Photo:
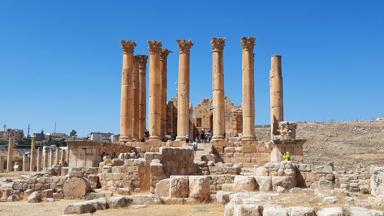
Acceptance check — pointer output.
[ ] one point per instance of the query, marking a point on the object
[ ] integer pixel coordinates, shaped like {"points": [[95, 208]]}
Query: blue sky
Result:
{"points": [[60, 61]]}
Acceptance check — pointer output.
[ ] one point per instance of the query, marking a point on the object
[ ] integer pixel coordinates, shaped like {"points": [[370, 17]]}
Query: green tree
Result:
{"points": [[73, 133]]}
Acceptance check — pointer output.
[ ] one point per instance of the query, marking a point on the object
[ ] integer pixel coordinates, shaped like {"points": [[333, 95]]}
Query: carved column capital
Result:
{"points": [[217, 44], [164, 54], [154, 47], [128, 46], [248, 43], [141, 60], [185, 46]]}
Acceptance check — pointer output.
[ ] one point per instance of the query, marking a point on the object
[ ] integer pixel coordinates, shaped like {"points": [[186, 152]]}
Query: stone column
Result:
{"points": [[135, 100], [51, 158], [62, 157], [142, 62], [163, 87], [248, 44], [154, 90], [33, 154], [183, 89], [11, 143], [126, 87], [38, 159], [57, 156], [25, 163], [276, 94], [1, 164], [218, 89]]}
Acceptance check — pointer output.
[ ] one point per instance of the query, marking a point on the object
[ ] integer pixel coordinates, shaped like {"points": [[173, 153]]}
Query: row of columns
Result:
{"points": [[133, 106]]}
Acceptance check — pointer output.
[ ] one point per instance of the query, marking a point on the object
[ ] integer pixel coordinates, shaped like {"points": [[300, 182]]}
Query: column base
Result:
{"points": [[124, 139], [180, 138], [248, 138], [217, 138], [154, 138]]}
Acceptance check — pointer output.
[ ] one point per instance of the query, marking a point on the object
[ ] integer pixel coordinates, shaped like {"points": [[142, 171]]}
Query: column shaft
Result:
{"points": [[126, 89], [183, 90], [142, 61], [218, 89], [33, 154], [163, 88], [276, 94], [1, 164], [11, 143], [135, 101], [38, 159], [154, 93], [248, 102]]}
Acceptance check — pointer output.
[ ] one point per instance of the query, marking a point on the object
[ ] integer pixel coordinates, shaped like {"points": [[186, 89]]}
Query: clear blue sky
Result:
{"points": [[60, 61]]}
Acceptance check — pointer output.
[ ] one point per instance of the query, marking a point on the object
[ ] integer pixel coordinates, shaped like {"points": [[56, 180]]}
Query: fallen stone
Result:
{"points": [[199, 188], [287, 182], [76, 187], [34, 197], [229, 209], [301, 211], [80, 208], [179, 187], [118, 202], [334, 211], [248, 210], [264, 182], [272, 210], [244, 183], [223, 197], [162, 188], [150, 199]]}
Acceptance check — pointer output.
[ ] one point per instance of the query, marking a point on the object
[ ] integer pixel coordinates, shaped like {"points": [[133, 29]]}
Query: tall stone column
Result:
{"points": [[163, 87], [11, 143], [62, 157], [57, 156], [142, 62], [1, 164], [218, 89], [135, 101], [154, 90], [25, 163], [38, 159], [183, 89], [248, 44], [33, 154], [51, 158], [126, 88], [276, 94]]}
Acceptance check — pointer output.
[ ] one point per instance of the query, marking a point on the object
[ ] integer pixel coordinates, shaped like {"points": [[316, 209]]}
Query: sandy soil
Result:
{"points": [[23, 208]]}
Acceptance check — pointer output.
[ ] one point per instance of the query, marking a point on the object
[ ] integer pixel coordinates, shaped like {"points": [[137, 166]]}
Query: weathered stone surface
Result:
{"points": [[334, 211], [223, 197], [273, 210], [227, 187], [264, 182], [118, 202], [229, 209], [301, 211], [162, 188], [377, 181], [76, 187], [261, 171], [34, 197], [179, 187], [144, 199], [199, 188], [248, 210], [287, 182], [80, 208], [178, 161], [244, 183]]}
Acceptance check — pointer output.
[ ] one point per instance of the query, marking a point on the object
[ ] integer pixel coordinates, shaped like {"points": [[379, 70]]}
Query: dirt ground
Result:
{"points": [[346, 144], [23, 208]]}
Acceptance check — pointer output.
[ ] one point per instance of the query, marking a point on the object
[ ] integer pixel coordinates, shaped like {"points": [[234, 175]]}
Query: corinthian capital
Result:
{"points": [[128, 46], [185, 46], [141, 60], [248, 42], [217, 44], [154, 47], [164, 54]]}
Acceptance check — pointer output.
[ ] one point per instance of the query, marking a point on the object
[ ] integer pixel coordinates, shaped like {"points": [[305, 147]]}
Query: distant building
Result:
{"points": [[100, 136], [115, 138], [17, 133], [57, 135]]}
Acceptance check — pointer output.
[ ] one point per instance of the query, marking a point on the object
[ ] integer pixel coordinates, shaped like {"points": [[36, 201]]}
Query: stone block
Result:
{"points": [[244, 183], [248, 210], [223, 197], [333, 211], [34, 197], [76, 187], [162, 188], [301, 211], [272, 210], [287, 182], [179, 187], [264, 182], [199, 188], [118, 202]]}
